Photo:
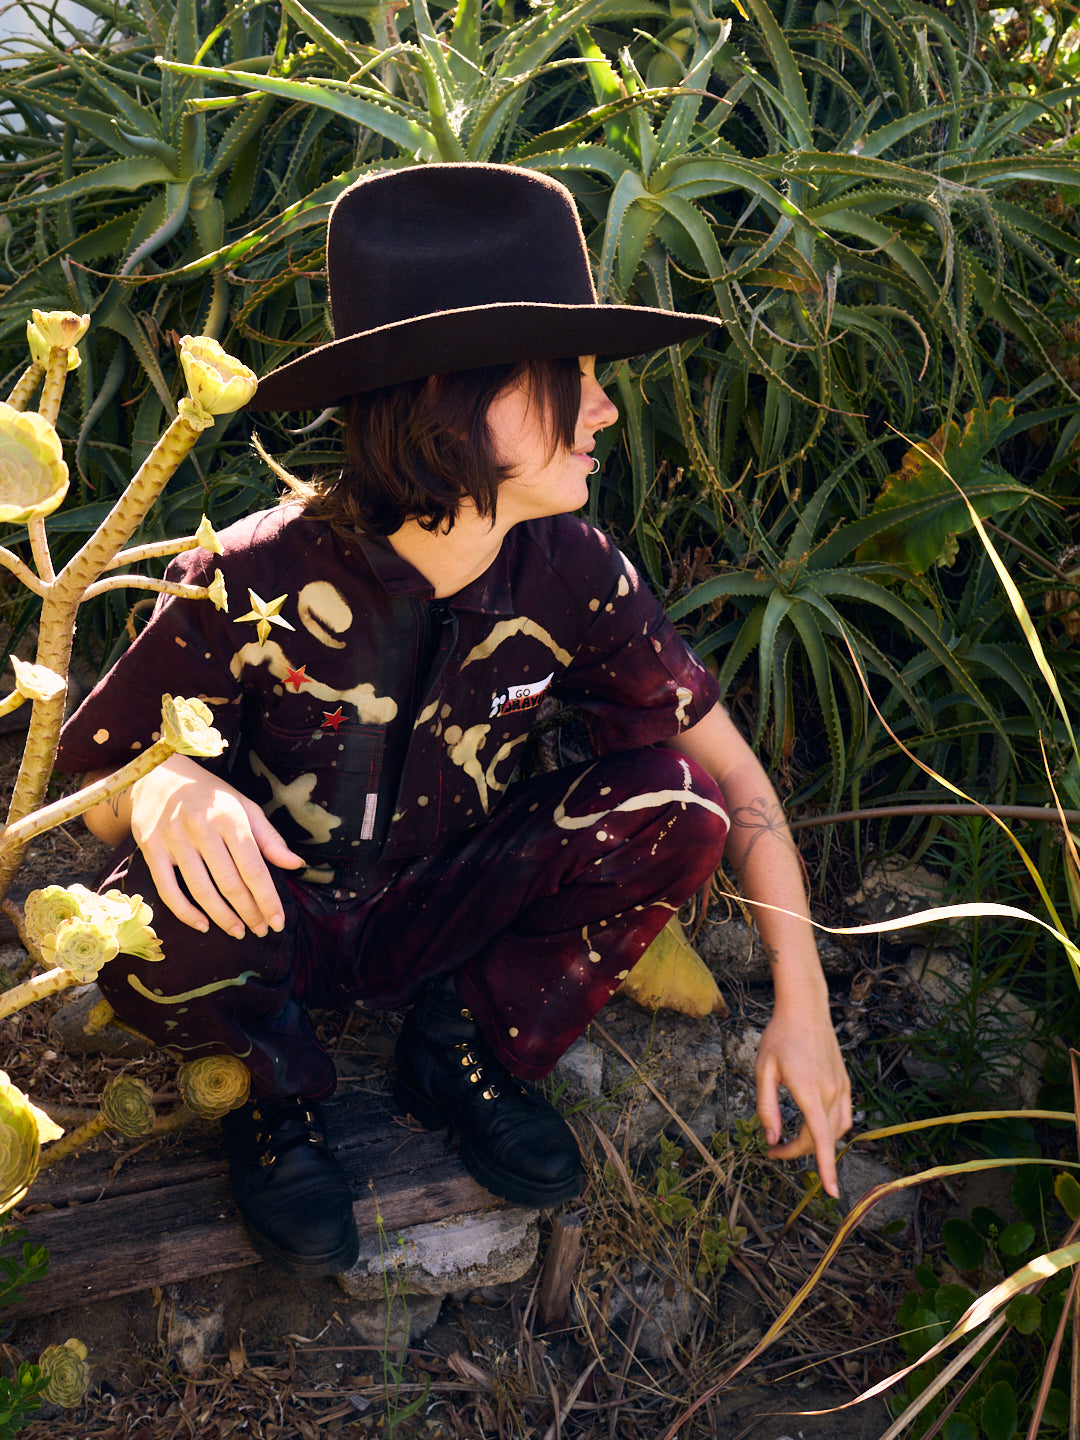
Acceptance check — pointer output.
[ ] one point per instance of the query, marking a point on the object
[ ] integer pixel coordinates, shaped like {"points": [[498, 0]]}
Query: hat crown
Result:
{"points": [[411, 243]]}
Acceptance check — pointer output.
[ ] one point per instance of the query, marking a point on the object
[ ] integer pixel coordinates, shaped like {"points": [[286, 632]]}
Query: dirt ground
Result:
{"points": [[249, 1353]]}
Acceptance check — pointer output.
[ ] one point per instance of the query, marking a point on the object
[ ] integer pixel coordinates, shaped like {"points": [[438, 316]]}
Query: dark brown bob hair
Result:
{"points": [[414, 451]]}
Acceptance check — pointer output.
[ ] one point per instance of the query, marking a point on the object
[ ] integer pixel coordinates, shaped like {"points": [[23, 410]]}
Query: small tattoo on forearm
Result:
{"points": [[761, 817]]}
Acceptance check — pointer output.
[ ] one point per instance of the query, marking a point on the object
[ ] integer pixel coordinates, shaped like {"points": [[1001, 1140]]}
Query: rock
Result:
{"points": [[68, 1028], [667, 1304], [193, 1334], [1010, 1062], [397, 1323], [581, 1070], [859, 1172], [738, 1093], [683, 1059], [892, 889], [465, 1252], [732, 951]]}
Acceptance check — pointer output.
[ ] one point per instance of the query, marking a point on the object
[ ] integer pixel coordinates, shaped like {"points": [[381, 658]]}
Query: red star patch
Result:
{"points": [[296, 678], [331, 722]]}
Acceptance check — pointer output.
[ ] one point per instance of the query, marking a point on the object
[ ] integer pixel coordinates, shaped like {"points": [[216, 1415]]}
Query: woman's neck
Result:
{"points": [[451, 559]]}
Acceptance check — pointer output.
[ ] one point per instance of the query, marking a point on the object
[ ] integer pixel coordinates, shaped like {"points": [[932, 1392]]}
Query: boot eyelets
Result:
{"points": [[468, 1058], [491, 1093], [267, 1159]]}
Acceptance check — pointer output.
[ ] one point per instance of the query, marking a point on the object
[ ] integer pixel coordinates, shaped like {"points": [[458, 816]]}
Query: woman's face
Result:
{"points": [[546, 481]]}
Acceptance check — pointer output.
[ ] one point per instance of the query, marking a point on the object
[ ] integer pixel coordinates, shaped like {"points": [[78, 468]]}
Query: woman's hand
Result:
{"points": [[799, 1050], [185, 819]]}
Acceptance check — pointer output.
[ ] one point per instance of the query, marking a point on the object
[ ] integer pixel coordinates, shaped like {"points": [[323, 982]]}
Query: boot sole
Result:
{"points": [[309, 1267], [506, 1187]]}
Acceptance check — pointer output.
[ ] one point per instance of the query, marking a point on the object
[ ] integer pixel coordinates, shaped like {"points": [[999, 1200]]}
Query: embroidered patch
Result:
{"points": [[519, 697]]}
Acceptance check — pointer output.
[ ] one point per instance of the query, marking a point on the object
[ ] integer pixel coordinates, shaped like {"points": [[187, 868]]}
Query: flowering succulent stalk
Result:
{"points": [[29, 992], [126, 1106], [53, 335], [185, 730], [214, 1084], [23, 1129], [221, 384], [67, 1372], [27, 383]]}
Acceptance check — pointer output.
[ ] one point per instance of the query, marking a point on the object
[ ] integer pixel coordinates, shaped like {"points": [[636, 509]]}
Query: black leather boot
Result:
{"points": [[516, 1144], [292, 1194]]}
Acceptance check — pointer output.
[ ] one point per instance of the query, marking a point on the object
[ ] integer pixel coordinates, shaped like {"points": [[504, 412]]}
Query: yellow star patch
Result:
{"points": [[265, 613]]}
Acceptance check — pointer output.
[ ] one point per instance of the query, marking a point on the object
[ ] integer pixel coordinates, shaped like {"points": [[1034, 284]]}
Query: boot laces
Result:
{"points": [[274, 1116]]}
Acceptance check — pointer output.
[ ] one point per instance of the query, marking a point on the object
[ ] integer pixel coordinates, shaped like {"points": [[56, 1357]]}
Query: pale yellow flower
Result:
{"points": [[33, 475], [217, 382], [36, 682], [67, 1371], [214, 1084], [59, 327], [23, 1128], [217, 594], [40, 347], [188, 728], [206, 537], [265, 612], [132, 916], [82, 947]]}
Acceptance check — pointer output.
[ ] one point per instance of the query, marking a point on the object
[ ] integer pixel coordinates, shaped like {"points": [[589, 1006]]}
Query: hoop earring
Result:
{"points": [[594, 467]]}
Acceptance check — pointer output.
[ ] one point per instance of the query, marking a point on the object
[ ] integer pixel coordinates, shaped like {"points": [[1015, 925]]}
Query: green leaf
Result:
{"points": [[1067, 1192], [963, 1244], [924, 474], [1024, 1313], [1017, 1238], [998, 1416]]}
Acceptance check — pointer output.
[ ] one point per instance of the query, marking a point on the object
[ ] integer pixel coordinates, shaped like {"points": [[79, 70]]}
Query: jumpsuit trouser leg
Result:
{"points": [[539, 914]]}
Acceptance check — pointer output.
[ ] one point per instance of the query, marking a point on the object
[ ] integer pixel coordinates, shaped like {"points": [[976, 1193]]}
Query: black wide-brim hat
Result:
{"points": [[439, 268]]}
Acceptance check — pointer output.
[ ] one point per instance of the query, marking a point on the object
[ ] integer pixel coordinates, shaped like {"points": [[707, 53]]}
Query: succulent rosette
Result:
{"points": [[132, 916], [217, 382], [40, 348], [59, 327], [23, 1128], [33, 475], [127, 1106], [214, 1084], [46, 910], [187, 725], [81, 946], [37, 682], [67, 1372]]}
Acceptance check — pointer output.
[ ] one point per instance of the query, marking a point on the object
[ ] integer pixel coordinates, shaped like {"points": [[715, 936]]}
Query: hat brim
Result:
{"points": [[466, 339]]}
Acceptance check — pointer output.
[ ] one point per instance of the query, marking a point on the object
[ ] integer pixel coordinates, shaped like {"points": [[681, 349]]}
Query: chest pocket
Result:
{"points": [[319, 786]]}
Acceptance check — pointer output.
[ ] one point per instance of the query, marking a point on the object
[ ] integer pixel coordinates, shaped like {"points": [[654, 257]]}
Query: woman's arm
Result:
{"points": [[799, 1048], [185, 819]]}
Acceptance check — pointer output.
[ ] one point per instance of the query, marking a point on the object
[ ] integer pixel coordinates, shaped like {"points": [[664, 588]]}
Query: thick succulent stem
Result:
{"points": [[21, 571], [60, 606], [52, 391], [25, 386], [22, 831], [73, 1141], [147, 582], [122, 521], [36, 988], [152, 551]]}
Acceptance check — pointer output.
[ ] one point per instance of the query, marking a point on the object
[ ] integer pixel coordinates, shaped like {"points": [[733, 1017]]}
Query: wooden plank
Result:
{"points": [[167, 1214]]}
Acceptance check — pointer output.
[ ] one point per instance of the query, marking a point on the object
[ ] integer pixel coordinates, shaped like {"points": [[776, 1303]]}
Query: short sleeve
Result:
{"points": [[634, 678]]}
